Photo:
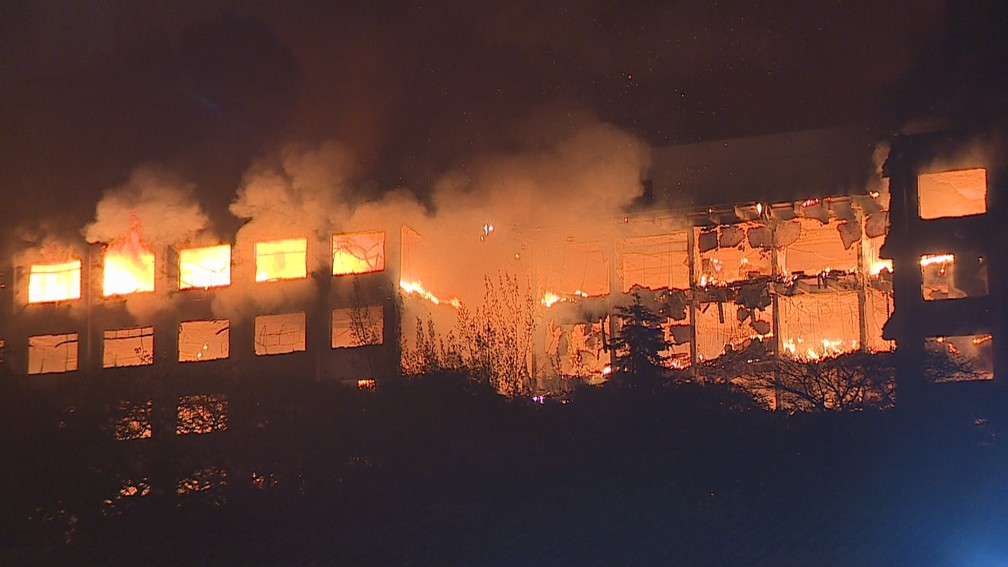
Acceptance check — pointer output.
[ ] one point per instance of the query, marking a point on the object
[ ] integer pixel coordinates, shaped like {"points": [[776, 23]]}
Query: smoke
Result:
{"points": [[161, 207], [154, 209]]}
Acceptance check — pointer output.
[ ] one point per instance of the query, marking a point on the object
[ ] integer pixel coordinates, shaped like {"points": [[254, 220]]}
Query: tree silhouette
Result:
{"points": [[638, 345]]}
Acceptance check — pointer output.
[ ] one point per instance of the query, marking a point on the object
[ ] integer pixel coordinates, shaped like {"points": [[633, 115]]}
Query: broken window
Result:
{"points": [[733, 253], [204, 340], [956, 193], [723, 326], [54, 282], [819, 325], [575, 269], [202, 413], [134, 420], [358, 326], [820, 248], [947, 276], [205, 267], [659, 261], [280, 334], [358, 253], [959, 358], [128, 347], [281, 260], [52, 353], [579, 349]]}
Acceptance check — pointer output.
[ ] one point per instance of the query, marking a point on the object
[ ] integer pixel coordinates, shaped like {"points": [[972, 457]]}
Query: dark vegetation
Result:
{"points": [[440, 469]]}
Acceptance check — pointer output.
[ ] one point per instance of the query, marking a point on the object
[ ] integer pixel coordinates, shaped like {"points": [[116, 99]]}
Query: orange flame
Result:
{"points": [[129, 265], [416, 288]]}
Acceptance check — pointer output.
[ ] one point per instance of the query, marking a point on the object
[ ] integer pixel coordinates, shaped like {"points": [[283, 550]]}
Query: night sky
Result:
{"points": [[93, 89]]}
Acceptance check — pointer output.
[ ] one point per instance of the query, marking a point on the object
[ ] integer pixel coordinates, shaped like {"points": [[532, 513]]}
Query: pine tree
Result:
{"points": [[641, 339]]}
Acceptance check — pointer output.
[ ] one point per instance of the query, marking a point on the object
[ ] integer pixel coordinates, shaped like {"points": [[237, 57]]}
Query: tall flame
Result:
{"points": [[129, 265]]}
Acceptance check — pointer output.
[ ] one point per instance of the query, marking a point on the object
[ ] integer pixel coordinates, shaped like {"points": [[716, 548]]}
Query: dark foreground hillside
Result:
{"points": [[439, 472]]}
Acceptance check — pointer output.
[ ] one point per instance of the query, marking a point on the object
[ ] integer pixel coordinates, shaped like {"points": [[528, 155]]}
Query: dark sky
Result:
{"points": [[92, 89]]}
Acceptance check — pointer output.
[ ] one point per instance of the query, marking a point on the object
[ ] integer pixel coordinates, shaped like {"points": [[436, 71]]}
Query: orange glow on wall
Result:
{"points": [[281, 259], [358, 253], [129, 266], [54, 282], [956, 193], [205, 267]]}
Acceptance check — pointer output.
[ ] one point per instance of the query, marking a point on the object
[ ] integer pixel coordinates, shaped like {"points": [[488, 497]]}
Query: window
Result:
{"points": [[129, 267], [655, 262], [54, 282], [353, 326], [959, 358], [202, 413], [128, 347], [204, 340], [134, 420], [52, 353], [205, 267], [358, 253], [947, 276], [281, 260], [956, 193], [280, 334]]}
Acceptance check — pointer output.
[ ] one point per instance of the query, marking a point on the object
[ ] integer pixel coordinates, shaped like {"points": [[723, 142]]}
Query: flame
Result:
{"points": [[129, 265], [417, 288], [54, 282], [929, 259], [878, 265], [981, 339], [205, 267], [551, 298], [824, 349], [358, 253]]}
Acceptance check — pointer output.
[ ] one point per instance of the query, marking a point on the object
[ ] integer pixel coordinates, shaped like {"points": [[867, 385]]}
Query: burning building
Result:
{"points": [[775, 241], [949, 263]]}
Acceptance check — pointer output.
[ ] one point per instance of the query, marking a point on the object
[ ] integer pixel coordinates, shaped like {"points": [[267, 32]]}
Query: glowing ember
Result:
{"points": [[205, 267], [54, 282], [281, 259], [129, 266], [416, 288]]}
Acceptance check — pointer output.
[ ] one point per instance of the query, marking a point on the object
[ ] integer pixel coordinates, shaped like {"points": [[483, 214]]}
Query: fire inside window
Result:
{"points": [[358, 253], [128, 347], [52, 353], [655, 261], [129, 268], [54, 282], [353, 327], [205, 267], [947, 276], [280, 334], [956, 193], [200, 341], [281, 260]]}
